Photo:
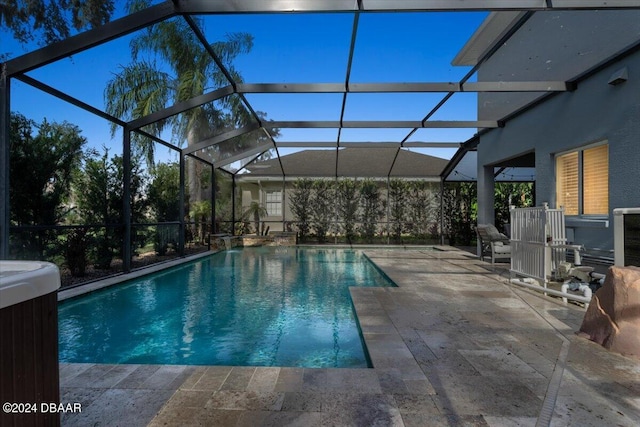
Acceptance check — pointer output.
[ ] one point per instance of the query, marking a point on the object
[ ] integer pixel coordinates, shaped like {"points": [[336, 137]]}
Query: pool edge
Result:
{"points": [[64, 294]]}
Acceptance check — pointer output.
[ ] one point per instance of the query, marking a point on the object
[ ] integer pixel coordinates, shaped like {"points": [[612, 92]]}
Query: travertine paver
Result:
{"points": [[453, 345]]}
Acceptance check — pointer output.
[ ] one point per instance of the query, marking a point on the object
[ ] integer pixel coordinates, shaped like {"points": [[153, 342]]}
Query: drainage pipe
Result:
{"points": [[564, 295]]}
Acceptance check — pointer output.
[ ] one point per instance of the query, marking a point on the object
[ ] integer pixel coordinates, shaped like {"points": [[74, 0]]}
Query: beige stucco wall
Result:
{"points": [[256, 191]]}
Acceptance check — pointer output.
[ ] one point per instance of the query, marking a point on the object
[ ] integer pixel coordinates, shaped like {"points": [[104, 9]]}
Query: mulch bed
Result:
{"points": [[142, 260]]}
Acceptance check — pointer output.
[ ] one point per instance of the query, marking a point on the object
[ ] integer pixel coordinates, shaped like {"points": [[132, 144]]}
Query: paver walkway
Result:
{"points": [[452, 345]]}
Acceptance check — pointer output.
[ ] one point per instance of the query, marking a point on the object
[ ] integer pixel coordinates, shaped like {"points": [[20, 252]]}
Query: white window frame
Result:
{"points": [[271, 204]]}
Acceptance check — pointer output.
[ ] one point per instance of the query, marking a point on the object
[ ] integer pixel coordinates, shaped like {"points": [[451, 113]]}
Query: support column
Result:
{"points": [[486, 197], [213, 204], [126, 199], [284, 204], [441, 211], [181, 198], [5, 120], [388, 210], [233, 204]]}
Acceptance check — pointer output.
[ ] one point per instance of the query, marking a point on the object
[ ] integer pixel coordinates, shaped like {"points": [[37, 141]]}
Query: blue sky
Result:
{"points": [[294, 48]]}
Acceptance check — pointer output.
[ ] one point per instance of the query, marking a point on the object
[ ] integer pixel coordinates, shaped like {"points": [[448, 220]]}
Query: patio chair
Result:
{"points": [[493, 243]]}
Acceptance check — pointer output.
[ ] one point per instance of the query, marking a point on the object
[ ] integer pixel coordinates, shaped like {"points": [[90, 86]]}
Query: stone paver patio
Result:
{"points": [[452, 345]]}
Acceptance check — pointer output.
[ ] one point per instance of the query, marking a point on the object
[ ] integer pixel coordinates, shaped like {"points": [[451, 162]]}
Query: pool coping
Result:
{"points": [[375, 326], [371, 321], [64, 294], [76, 291], [387, 355]]}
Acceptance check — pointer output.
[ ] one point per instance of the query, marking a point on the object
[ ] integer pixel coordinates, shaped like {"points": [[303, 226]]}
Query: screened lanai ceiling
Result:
{"points": [[323, 75]]}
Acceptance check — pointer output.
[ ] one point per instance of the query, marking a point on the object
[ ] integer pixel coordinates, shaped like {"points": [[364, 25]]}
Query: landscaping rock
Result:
{"points": [[613, 316]]}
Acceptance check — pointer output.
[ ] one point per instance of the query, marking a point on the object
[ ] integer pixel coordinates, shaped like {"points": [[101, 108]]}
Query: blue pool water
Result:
{"points": [[246, 307]]}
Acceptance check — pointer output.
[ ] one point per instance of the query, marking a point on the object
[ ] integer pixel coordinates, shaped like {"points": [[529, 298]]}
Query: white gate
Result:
{"points": [[536, 234]]}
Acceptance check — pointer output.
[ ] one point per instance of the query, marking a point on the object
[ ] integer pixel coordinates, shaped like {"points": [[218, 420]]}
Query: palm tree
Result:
{"points": [[201, 212], [257, 211], [171, 65]]}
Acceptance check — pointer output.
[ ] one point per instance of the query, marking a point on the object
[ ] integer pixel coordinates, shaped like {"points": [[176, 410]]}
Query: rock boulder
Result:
{"points": [[613, 316]]}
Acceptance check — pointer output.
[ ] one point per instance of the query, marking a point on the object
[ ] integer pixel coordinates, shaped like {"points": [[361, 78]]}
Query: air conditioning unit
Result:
{"points": [[626, 236]]}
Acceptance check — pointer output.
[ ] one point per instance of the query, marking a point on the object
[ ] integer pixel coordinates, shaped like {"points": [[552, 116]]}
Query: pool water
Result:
{"points": [[245, 307]]}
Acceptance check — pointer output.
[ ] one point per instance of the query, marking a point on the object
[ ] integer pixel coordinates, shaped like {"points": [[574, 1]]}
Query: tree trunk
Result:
{"points": [[256, 220], [194, 170]]}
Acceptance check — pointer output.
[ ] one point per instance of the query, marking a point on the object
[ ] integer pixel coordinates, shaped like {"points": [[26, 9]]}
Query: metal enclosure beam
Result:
{"points": [[91, 38], [419, 144], [469, 145], [248, 163], [126, 199], [424, 87], [403, 87], [291, 88], [495, 5], [395, 157], [181, 200], [352, 45], [258, 6], [63, 96], [291, 144], [214, 196], [229, 76], [219, 138], [181, 107], [595, 4], [82, 105], [448, 5], [542, 86], [515, 26], [256, 150], [383, 124], [5, 152], [233, 204], [368, 144], [299, 6], [67, 98]]}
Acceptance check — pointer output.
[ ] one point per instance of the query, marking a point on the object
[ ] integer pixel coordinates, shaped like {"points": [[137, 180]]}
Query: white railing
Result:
{"points": [[538, 246], [537, 235]]}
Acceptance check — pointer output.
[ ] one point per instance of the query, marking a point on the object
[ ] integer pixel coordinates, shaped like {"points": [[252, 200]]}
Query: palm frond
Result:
{"points": [[136, 90], [234, 45], [177, 67], [171, 41]]}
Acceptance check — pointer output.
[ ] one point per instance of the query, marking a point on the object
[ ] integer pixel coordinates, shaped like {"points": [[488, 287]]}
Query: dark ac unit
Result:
{"points": [[626, 236]]}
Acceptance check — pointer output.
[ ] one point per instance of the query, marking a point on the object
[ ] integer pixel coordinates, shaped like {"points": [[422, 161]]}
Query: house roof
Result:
{"points": [[352, 162]]}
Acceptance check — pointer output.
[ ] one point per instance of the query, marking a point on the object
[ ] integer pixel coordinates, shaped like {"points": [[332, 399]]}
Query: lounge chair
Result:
{"points": [[493, 243]]}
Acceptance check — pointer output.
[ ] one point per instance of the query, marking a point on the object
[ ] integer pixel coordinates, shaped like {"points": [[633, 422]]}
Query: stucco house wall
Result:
{"points": [[251, 187], [596, 111], [255, 192]]}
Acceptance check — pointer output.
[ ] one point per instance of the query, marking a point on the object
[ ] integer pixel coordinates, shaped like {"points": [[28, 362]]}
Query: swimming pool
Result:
{"points": [[261, 306]]}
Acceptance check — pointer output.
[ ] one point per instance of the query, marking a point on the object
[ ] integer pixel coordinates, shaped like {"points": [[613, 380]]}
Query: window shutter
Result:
{"points": [[596, 180], [567, 183]]}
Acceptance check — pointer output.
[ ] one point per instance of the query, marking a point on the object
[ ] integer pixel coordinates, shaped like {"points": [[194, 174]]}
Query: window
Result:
{"points": [[596, 180], [582, 181], [274, 203], [567, 183]]}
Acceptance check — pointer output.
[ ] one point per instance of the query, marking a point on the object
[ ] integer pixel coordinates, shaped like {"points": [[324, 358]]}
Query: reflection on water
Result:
{"points": [[255, 307]]}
